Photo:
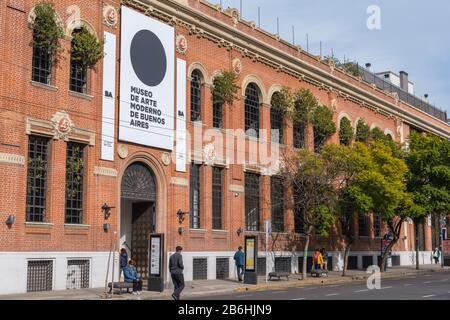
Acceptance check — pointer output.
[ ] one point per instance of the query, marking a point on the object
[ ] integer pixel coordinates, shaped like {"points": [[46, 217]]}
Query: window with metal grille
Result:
{"points": [[200, 269], [195, 196], [40, 276], [277, 203], [252, 110], [309, 262], [217, 198], [352, 263], [367, 261], [78, 73], [283, 264], [74, 183], [77, 274], [276, 121], [222, 268], [217, 112], [196, 95], [377, 224], [42, 64], [261, 266], [299, 136], [252, 200], [362, 226], [37, 178]]}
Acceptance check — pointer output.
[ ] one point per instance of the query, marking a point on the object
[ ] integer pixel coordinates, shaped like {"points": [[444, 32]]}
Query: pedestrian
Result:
{"points": [[317, 260], [436, 255], [132, 276], [123, 261], [325, 259], [239, 260], [176, 268]]}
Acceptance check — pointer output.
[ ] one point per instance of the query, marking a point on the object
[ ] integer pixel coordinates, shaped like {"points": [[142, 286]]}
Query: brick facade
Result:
{"points": [[22, 100]]}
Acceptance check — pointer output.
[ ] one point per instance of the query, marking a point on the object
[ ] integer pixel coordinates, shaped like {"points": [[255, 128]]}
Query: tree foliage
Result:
{"points": [[345, 132], [304, 104], [86, 49], [225, 87], [283, 101], [323, 125], [349, 67], [362, 131], [46, 30]]}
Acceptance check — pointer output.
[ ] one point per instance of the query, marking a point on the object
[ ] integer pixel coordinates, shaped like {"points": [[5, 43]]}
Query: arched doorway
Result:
{"points": [[138, 213]]}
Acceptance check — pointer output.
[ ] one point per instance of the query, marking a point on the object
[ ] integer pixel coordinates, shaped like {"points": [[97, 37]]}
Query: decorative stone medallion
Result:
{"points": [[209, 154], [181, 44], [110, 16], [237, 66], [235, 16], [62, 125], [165, 158], [122, 151]]}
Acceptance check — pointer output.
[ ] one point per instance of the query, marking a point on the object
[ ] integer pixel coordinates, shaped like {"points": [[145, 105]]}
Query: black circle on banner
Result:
{"points": [[148, 58]]}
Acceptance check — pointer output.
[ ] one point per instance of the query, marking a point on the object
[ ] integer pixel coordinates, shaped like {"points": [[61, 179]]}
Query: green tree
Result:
{"points": [[312, 177], [362, 131], [428, 161], [225, 87], [46, 30], [86, 50], [345, 132], [323, 125]]}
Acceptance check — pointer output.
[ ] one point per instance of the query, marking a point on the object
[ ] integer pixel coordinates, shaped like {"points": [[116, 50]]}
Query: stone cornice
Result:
{"points": [[225, 35]]}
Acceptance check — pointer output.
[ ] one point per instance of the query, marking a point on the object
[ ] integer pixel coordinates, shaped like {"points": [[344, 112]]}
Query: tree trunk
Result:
{"points": [[346, 254], [417, 256], [305, 253], [386, 254]]}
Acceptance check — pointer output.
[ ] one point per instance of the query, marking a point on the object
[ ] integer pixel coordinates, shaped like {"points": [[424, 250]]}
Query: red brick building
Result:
{"points": [[60, 165]]}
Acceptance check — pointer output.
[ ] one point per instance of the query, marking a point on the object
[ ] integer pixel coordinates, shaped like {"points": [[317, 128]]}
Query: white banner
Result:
{"points": [[147, 81], [109, 94], [181, 116]]}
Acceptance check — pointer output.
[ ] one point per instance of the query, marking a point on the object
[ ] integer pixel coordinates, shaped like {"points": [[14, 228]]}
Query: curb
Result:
{"points": [[325, 281]]}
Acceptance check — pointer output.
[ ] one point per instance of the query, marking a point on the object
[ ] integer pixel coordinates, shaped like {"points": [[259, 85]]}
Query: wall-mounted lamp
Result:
{"points": [[107, 211], [404, 238], [180, 215], [236, 194], [180, 230], [10, 221], [106, 227], [239, 231]]}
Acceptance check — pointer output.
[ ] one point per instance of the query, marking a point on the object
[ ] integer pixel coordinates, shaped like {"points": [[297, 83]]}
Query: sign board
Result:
{"points": [[384, 245], [155, 255], [147, 83], [109, 96], [181, 151], [250, 254]]}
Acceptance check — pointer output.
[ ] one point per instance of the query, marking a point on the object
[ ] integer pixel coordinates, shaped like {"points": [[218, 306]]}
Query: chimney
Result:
{"points": [[404, 82]]}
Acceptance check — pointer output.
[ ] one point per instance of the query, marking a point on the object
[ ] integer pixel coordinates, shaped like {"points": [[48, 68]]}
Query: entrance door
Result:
{"points": [[141, 226]]}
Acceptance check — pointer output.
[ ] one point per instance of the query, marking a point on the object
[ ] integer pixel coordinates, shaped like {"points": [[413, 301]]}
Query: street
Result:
{"points": [[429, 286]]}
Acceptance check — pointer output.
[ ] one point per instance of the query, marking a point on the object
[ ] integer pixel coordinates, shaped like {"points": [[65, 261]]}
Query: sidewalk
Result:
{"points": [[205, 288]]}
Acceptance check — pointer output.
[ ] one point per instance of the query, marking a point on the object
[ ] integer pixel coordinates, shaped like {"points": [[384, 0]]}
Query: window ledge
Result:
{"points": [[198, 230], [43, 86], [220, 231], [84, 96], [76, 226], [39, 225], [198, 123]]}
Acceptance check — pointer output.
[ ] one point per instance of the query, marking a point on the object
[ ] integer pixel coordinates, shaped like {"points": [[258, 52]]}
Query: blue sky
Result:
{"points": [[414, 35]]}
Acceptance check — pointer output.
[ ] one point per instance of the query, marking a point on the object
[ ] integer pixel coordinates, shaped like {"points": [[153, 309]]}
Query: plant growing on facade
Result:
{"points": [[362, 131], [323, 125], [304, 104], [283, 101], [349, 67], [345, 132], [46, 30], [225, 87], [86, 50]]}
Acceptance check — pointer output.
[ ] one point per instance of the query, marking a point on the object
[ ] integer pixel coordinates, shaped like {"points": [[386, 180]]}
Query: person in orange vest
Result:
{"points": [[318, 260]]}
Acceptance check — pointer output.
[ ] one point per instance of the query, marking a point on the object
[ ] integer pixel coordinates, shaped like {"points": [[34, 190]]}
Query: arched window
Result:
{"points": [[217, 110], [196, 95], [276, 119], [78, 69], [252, 110]]}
